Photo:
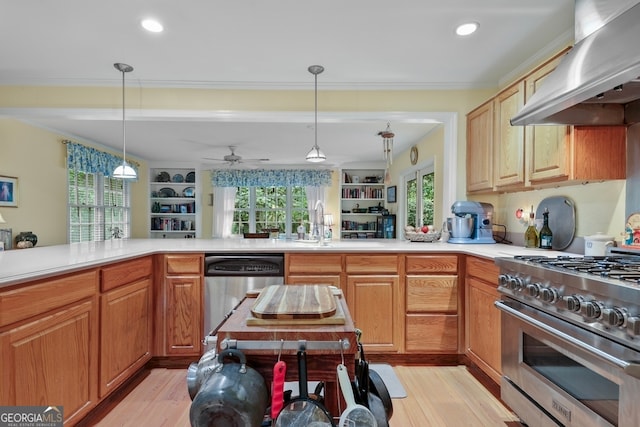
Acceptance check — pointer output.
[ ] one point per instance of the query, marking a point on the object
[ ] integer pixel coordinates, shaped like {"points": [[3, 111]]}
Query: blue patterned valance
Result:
{"points": [[90, 160], [271, 177]]}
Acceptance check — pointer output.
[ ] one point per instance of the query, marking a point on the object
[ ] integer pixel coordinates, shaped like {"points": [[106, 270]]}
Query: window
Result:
{"points": [[260, 208], [99, 207], [419, 187]]}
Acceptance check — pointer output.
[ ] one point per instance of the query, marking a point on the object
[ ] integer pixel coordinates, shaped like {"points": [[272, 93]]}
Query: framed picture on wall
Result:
{"points": [[8, 191], [391, 194]]}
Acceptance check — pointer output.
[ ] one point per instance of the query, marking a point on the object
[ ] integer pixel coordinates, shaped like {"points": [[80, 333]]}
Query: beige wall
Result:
{"points": [[38, 159], [44, 188]]}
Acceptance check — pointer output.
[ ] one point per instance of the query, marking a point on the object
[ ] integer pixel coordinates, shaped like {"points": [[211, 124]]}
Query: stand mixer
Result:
{"points": [[481, 229]]}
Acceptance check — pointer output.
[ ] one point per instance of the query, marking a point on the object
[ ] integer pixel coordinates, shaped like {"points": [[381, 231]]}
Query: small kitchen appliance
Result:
{"points": [[480, 223]]}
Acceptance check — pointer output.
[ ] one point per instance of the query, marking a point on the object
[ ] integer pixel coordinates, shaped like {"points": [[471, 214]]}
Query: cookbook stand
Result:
{"points": [[326, 346]]}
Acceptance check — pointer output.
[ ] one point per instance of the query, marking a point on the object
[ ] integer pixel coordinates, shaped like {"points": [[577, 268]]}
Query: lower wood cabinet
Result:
{"points": [[483, 318], [373, 306], [432, 321], [125, 333], [314, 269], [126, 321], [373, 296], [180, 318], [51, 358], [432, 314]]}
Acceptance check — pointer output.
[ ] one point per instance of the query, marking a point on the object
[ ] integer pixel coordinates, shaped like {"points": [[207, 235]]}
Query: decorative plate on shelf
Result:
{"points": [[191, 177], [177, 178], [189, 192], [163, 177], [166, 192]]}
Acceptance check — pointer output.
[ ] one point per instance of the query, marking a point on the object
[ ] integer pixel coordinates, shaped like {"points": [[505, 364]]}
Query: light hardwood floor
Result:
{"points": [[436, 396]]}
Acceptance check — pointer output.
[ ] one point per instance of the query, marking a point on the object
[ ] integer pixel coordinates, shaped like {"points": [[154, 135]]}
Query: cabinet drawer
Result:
{"points": [[429, 332], [432, 293], [417, 264], [371, 264], [31, 300], [483, 269], [126, 272], [314, 280], [184, 264], [314, 264]]}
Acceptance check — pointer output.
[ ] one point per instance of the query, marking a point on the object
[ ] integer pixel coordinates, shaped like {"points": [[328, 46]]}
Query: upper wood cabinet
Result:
{"points": [[480, 149], [556, 154], [526, 157], [508, 141], [547, 146]]}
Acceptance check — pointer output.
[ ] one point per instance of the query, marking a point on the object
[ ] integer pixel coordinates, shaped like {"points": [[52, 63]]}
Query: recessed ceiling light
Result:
{"points": [[466, 29], [152, 25]]}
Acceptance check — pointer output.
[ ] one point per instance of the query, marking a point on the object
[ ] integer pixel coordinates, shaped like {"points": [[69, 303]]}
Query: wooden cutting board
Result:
{"points": [[295, 302], [337, 319]]}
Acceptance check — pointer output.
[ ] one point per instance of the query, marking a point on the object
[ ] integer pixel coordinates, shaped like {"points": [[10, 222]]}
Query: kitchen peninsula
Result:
{"points": [[94, 314]]}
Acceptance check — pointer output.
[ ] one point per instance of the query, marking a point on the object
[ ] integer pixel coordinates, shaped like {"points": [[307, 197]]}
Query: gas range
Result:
{"points": [[600, 294]]}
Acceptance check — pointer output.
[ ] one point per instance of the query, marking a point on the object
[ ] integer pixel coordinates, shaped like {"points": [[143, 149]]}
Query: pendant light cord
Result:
{"points": [[316, 113], [124, 132]]}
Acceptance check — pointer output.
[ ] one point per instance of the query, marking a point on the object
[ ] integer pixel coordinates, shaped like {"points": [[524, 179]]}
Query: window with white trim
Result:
{"points": [[419, 197], [263, 208], [99, 207]]}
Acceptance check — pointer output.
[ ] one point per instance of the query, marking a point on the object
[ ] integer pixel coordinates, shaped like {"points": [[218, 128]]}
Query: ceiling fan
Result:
{"points": [[233, 158]]}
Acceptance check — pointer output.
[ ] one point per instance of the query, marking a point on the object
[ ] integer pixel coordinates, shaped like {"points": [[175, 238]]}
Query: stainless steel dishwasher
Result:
{"points": [[228, 277]]}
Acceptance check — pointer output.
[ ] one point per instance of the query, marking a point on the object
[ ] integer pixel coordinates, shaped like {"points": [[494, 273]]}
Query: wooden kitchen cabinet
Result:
{"points": [[373, 297], [508, 149], [482, 317], [126, 321], [181, 310], [526, 157], [432, 321], [480, 149], [314, 269], [49, 337], [570, 154]]}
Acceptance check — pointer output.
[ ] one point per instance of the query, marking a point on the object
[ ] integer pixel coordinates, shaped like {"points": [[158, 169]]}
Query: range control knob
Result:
{"points": [[633, 326], [533, 289], [503, 280], [549, 295], [516, 283], [614, 316], [591, 309], [572, 302]]}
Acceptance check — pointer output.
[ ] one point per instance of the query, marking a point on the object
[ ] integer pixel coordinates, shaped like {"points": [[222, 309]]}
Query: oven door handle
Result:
{"points": [[630, 368]]}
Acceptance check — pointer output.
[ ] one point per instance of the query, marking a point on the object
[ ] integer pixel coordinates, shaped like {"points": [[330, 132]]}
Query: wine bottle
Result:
{"points": [[531, 234], [546, 236]]}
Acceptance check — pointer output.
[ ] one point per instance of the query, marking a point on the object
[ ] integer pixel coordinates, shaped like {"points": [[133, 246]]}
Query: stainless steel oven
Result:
{"points": [[570, 341]]}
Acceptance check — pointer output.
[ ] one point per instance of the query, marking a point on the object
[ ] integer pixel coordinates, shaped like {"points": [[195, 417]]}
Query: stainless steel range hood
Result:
{"points": [[597, 82]]}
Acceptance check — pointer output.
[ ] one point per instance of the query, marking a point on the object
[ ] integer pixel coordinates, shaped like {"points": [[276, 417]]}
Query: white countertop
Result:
{"points": [[22, 265]]}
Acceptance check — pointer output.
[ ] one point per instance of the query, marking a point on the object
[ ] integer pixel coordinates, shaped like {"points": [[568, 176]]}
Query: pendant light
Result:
{"points": [[124, 171], [315, 155]]}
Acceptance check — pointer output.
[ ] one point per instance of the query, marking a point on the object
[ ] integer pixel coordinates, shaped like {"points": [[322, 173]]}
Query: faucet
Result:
{"points": [[318, 222]]}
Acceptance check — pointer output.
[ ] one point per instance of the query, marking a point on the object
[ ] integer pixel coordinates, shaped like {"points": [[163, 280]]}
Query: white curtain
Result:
{"points": [[315, 195], [224, 200]]}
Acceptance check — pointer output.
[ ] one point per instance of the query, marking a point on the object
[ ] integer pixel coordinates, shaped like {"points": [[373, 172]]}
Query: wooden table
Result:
{"points": [[321, 363]]}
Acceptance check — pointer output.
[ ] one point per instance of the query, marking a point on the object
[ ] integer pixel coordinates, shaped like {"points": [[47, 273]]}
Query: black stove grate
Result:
{"points": [[621, 267]]}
